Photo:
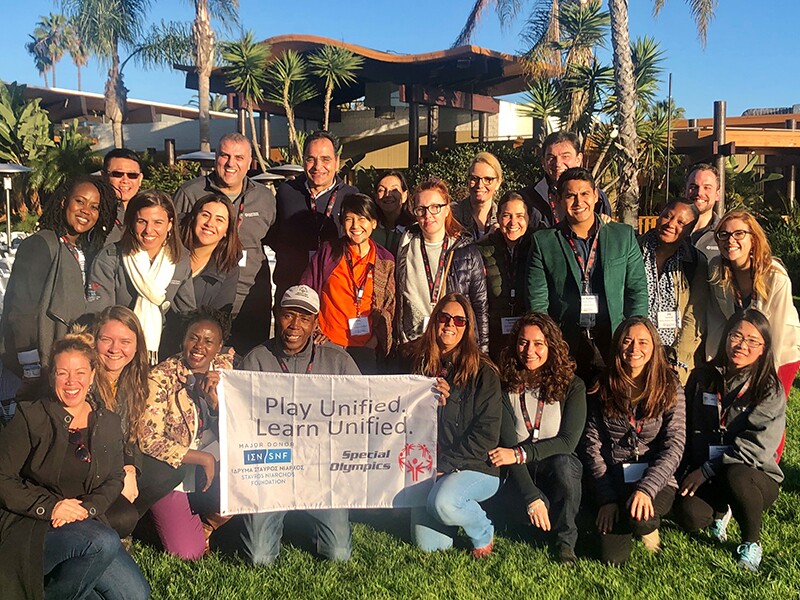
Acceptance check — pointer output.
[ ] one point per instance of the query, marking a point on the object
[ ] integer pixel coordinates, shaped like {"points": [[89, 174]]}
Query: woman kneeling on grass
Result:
{"points": [[634, 440], [469, 426], [737, 415], [544, 413]]}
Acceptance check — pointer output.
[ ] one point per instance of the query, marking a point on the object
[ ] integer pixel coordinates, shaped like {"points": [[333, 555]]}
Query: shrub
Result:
{"points": [[169, 178]]}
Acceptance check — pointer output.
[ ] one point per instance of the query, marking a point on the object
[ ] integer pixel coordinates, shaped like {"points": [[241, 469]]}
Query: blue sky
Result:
{"points": [[750, 60]]}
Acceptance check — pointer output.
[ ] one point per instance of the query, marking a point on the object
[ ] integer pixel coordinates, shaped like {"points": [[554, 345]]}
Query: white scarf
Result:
{"points": [[151, 281]]}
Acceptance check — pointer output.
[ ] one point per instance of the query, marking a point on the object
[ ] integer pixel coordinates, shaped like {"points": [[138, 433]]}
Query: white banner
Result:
{"points": [[325, 441]]}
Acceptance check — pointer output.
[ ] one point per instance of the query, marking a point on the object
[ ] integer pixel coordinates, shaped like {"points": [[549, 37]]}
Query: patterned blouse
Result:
{"points": [[661, 288]]}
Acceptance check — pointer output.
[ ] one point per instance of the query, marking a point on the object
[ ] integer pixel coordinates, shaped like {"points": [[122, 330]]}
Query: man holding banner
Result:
{"points": [[257, 537]]}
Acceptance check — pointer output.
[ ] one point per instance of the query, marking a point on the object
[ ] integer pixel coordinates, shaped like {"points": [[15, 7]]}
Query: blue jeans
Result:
{"points": [[257, 537], [85, 559], [453, 503]]}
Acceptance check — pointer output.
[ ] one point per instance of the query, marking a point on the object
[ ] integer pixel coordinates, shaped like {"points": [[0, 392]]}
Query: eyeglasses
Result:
{"points": [[738, 235], [738, 338], [445, 318], [81, 451], [434, 209], [121, 174], [487, 181]]}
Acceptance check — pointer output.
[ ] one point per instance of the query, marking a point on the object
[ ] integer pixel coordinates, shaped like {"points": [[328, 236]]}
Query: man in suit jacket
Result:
{"points": [[588, 275]]}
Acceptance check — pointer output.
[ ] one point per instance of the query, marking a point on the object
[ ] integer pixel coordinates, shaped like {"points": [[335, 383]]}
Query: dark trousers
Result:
{"points": [[748, 492], [615, 547], [122, 516], [559, 478], [591, 349]]}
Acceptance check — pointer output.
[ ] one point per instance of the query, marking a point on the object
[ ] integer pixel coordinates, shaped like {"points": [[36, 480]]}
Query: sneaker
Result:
{"points": [[478, 553], [566, 555], [652, 541], [719, 528], [749, 556]]}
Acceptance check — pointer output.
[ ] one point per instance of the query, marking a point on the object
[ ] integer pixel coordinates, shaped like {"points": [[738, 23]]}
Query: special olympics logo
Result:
{"points": [[415, 458]]}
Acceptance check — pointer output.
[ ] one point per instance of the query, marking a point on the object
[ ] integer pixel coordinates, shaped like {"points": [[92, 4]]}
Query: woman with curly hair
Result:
{"points": [[544, 413], [148, 270], [469, 426], [121, 385], [47, 289], [737, 414], [747, 275], [633, 442], [179, 433]]}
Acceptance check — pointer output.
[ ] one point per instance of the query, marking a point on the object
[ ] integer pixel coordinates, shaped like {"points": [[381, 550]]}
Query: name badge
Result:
{"points": [[715, 452], [669, 319], [243, 261], [507, 323], [633, 472], [709, 399], [589, 304], [359, 326]]}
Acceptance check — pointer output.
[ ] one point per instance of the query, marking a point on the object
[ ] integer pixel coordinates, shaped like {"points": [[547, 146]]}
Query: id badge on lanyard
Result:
{"points": [[669, 319]]}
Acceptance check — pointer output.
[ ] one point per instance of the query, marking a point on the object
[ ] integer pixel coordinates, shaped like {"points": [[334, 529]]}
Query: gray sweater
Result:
{"points": [[329, 359]]}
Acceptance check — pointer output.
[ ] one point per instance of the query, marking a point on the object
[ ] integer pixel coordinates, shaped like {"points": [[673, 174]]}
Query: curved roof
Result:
{"points": [[466, 68]]}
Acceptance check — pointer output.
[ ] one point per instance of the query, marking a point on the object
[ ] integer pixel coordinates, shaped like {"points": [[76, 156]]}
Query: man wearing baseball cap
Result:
{"points": [[257, 537]]}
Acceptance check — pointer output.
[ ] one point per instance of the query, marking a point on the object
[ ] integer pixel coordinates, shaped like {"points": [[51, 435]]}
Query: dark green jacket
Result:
{"points": [[554, 277]]}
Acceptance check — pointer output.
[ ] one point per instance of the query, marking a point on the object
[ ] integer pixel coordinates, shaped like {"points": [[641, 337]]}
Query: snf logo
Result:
{"points": [[415, 459]]}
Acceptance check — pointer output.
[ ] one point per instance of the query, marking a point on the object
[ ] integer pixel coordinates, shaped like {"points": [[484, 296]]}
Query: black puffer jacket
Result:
{"points": [[467, 276]]}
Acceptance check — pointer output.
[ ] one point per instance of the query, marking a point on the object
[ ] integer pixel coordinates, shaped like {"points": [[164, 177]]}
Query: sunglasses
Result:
{"points": [[445, 318], [121, 174], [81, 451]]}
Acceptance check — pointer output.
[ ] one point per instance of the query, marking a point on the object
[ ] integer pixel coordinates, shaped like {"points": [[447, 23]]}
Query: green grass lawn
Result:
{"points": [[384, 565]]}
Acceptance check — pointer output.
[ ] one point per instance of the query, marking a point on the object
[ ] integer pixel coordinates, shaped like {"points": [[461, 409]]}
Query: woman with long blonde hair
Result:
{"points": [[747, 275]]}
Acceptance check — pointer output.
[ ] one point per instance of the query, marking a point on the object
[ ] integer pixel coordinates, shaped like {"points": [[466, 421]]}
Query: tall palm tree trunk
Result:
{"points": [[254, 136], [203, 35], [294, 147], [115, 100], [327, 107], [79, 77], [625, 89]]}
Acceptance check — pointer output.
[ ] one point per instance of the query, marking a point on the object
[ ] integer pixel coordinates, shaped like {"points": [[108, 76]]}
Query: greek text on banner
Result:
{"points": [[325, 441]]}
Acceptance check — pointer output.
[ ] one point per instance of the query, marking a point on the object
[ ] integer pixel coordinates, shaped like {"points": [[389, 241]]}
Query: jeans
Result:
{"points": [[257, 537], [85, 559], [559, 479], [453, 503]]}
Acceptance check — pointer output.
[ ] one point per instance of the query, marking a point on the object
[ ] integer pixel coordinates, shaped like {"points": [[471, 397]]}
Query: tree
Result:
{"points": [[76, 48], [216, 102], [336, 67], [24, 136], [289, 86], [204, 51], [624, 78], [71, 156], [37, 48], [246, 73]]}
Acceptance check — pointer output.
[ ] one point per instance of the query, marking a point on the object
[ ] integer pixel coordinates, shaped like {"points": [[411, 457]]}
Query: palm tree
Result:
{"points": [[76, 48], [246, 73], [289, 86], [70, 157], [51, 32], [105, 25], [37, 48], [336, 67], [204, 52]]}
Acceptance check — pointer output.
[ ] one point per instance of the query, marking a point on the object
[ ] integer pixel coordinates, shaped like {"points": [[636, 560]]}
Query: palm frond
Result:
{"points": [[166, 43], [471, 23], [335, 66]]}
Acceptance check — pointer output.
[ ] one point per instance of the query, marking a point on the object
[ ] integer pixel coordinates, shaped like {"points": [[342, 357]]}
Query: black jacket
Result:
{"points": [[32, 450], [469, 424], [540, 213], [467, 276]]}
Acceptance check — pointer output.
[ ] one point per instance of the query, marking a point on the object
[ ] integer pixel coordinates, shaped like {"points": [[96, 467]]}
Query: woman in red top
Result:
{"points": [[354, 278]]}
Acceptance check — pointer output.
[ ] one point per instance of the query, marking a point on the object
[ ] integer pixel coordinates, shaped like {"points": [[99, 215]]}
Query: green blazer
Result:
{"points": [[554, 277]]}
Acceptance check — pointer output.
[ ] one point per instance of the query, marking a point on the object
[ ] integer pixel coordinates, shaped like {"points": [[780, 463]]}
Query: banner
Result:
{"points": [[291, 442]]}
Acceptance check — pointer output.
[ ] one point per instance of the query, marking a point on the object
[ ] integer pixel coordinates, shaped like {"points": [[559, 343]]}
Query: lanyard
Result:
{"points": [[636, 429], [586, 269], [285, 369], [73, 249], [512, 275], [723, 416], [534, 428], [240, 215], [434, 285], [331, 202], [358, 290], [551, 191]]}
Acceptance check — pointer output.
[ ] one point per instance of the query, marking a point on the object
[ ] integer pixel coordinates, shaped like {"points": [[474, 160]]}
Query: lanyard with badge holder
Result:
{"points": [[590, 304], [533, 428], [552, 191], [716, 450], [285, 368], [633, 472], [328, 212], [434, 284], [507, 323], [358, 325]]}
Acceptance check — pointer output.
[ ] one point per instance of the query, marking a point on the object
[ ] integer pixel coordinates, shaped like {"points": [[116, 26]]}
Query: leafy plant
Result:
{"points": [[336, 67], [169, 178], [70, 157]]}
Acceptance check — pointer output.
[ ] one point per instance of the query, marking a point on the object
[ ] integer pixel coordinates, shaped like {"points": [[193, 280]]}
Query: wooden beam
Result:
{"points": [[433, 96]]}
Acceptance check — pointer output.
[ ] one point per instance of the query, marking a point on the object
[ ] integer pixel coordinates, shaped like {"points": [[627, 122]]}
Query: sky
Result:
{"points": [[750, 59]]}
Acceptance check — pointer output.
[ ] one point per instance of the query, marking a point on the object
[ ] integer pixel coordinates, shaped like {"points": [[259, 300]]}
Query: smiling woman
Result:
{"points": [[46, 291], [354, 278], [146, 270]]}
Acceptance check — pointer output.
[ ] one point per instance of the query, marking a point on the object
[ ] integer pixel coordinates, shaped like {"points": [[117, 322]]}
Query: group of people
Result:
{"points": [[567, 356]]}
